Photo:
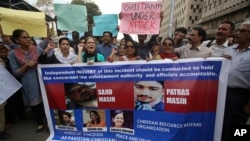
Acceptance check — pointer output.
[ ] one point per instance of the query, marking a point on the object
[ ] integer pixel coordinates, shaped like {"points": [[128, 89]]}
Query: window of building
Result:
{"points": [[192, 6], [190, 18]]}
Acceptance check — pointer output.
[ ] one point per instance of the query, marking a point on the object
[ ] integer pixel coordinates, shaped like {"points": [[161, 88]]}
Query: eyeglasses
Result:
{"points": [[167, 44], [129, 47], [243, 30]]}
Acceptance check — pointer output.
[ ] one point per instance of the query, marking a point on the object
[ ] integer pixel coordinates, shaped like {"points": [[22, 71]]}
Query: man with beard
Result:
{"points": [[224, 31], [80, 95], [237, 108], [67, 119], [195, 49]]}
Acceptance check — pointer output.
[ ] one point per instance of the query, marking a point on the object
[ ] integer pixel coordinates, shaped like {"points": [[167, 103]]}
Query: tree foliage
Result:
{"points": [[41, 3], [46, 6]]}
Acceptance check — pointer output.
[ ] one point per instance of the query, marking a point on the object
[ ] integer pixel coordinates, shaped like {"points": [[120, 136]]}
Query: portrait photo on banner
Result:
{"points": [[64, 120], [122, 121], [149, 95], [80, 95], [94, 120]]}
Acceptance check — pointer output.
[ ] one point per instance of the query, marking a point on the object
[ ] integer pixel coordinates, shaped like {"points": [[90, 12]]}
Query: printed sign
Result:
{"points": [[135, 100]]}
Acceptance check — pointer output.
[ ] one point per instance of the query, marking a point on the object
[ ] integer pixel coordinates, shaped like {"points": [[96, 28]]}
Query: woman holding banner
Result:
{"points": [[130, 53], [23, 61], [168, 49]]}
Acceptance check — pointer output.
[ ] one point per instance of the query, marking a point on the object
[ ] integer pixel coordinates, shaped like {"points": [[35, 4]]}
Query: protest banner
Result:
{"points": [[71, 17], [141, 17], [8, 85], [106, 22], [33, 22], [151, 101]]}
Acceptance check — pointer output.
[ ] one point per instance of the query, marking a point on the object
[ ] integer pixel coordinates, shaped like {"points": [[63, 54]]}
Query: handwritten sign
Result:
{"points": [[141, 17], [71, 17], [32, 22], [107, 22], [8, 85]]}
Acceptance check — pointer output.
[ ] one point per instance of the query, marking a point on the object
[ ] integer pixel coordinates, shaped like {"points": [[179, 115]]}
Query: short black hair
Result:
{"points": [[16, 34], [201, 32], [63, 38], [181, 29], [160, 82], [232, 25], [110, 34], [75, 32], [67, 113]]}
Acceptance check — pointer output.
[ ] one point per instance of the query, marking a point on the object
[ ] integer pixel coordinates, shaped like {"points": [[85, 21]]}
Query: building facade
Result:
{"points": [[216, 11], [186, 14], [204, 13]]}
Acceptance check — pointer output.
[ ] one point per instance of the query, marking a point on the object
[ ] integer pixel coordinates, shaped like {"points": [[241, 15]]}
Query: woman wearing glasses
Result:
{"points": [[168, 49], [130, 53], [23, 61]]}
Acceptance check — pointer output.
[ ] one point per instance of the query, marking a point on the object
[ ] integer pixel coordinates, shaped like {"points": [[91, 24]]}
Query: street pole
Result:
{"points": [[170, 25]]}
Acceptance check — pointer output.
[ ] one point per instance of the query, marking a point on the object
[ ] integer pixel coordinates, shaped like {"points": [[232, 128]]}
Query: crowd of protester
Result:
{"points": [[20, 55]]}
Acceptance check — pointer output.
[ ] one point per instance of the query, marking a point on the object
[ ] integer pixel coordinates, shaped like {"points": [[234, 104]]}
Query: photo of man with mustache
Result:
{"points": [[149, 95]]}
